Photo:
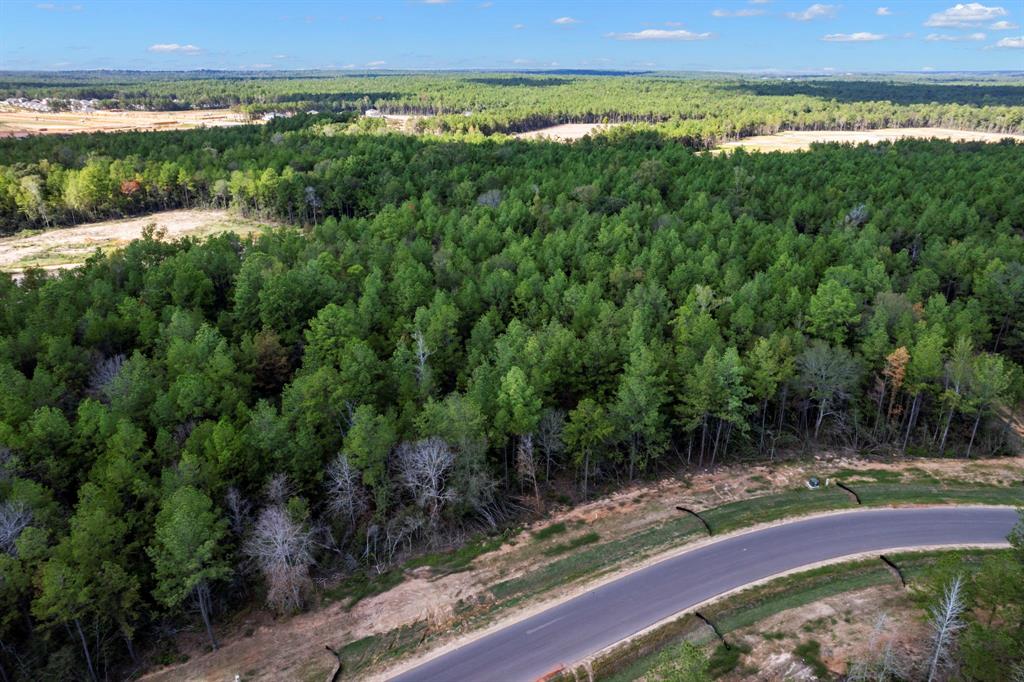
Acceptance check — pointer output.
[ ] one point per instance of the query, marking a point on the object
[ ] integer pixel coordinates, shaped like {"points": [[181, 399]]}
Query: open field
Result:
{"points": [[21, 122], [567, 132], [60, 248], [433, 603], [796, 140]]}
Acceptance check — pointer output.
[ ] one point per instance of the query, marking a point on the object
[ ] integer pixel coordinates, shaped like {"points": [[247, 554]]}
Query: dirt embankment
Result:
{"points": [[261, 648]]}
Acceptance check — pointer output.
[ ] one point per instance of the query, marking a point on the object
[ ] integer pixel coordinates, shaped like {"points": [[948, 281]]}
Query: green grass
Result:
{"points": [[361, 586], [461, 558], [593, 561], [575, 543], [810, 653], [359, 654], [724, 660], [756, 510], [548, 531]]}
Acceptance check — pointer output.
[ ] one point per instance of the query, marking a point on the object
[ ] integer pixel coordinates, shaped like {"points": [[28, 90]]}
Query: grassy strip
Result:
{"points": [[548, 531], [598, 559], [601, 558], [575, 543]]}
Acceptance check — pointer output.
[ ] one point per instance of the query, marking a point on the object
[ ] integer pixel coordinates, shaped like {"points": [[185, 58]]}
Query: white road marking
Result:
{"points": [[541, 627]]}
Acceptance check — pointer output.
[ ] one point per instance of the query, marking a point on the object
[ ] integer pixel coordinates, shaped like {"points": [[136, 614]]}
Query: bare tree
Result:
{"points": [[946, 623], [383, 543], [14, 518], [283, 550], [526, 465], [881, 664], [345, 495], [423, 469], [423, 353], [278, 489], [549, 437], [239, 510], [103, 375]]}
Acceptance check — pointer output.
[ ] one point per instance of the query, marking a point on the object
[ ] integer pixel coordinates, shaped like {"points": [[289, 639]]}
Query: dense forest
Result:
{"points": [[464, 327], [699, 109]]}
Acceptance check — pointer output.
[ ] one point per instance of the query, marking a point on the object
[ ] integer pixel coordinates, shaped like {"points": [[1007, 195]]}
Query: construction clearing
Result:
{"points": [[61, 248], [799, 140], [19, 122]]}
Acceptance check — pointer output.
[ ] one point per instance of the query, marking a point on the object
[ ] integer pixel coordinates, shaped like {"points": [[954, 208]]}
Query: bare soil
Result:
{"points": [[567, 132], [67, 247], [796, 140], [15, 122], [845, 627], [294, 648]]}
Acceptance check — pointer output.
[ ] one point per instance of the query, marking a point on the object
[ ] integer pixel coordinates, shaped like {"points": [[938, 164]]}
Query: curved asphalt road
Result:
{"points": [[579, 627]]}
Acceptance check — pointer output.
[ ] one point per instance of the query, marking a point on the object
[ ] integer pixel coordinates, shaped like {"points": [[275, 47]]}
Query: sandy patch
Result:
{"points": [[60, 248], [796, 140], [567, 132], [16, 122]]}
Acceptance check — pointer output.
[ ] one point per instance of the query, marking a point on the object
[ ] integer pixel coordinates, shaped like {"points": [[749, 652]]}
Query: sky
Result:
{"points": [[738, 35]]}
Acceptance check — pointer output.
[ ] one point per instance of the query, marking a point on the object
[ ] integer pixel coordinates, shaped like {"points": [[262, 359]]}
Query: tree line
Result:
{"points": [[704, 110], [465, 325]]}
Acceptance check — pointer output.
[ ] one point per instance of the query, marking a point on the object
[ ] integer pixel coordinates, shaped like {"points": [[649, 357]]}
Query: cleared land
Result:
{"points": [[567, 132], [445, 596], [796, 140], [16, 122], [67, 247]]}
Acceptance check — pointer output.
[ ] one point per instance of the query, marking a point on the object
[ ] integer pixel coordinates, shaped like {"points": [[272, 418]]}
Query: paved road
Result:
{"points": [[577, 628]]}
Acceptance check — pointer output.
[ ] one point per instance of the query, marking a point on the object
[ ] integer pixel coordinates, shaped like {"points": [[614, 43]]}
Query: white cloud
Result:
{"points": [[280, 56], [565, 21], [485, 5], [748, 12], [963, 15], [1017, 42], [883, 12], [375, 64], [860, 37], [522, 61], [660, 34], [815, 11], [58, 7], [759, 2], [436, 2], [946, 38], [1004, 26], [175, 47], [349, 66], [519, 27]]}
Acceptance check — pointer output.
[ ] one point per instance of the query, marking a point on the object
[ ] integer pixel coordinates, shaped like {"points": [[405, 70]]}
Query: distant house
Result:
{"points": [[373, 113]]}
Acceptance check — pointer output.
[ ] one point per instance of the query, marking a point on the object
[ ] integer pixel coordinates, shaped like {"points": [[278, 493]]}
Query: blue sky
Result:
{"points": [[739, 35]]}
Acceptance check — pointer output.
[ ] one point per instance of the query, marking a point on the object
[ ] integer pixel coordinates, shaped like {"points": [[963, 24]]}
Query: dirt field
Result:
{"points": [[21, 122], [795, 140], [567, 132], [260, 648], [844, 624], [67, 247]]}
